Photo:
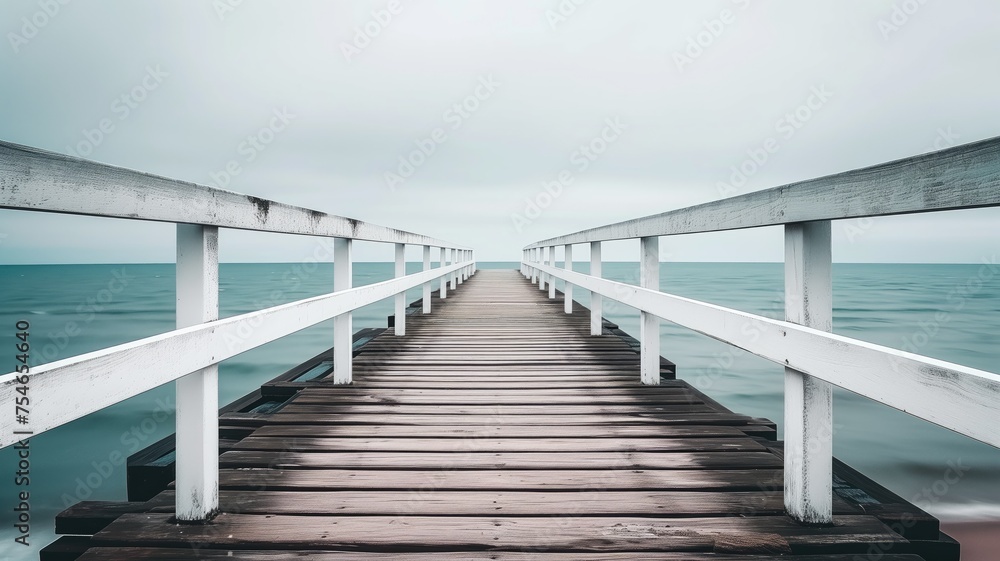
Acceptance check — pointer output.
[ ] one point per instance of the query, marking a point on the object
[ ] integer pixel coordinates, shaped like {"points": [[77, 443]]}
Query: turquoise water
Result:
{"points": [[939, 310]]}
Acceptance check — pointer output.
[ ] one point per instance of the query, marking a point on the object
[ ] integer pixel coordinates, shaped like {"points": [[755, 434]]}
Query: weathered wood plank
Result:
{"points": [[161, 554], [548, 444], [764, 534], [575, 479], [720, 459]]}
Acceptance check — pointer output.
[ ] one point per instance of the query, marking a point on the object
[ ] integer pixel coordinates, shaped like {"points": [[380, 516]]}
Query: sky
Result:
{"points": [[497, 124]]}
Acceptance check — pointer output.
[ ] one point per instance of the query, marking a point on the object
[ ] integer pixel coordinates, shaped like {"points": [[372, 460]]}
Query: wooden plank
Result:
{"points": [[374, 418], [505, 431], [501, 460], [575, 479], [548, 444], [435, 502], [764, 534], [494, 410], [162, 554]]}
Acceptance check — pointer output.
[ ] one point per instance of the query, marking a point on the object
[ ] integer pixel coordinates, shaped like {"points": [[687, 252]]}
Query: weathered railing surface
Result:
{"points": [[68, 389], [963, 399]]}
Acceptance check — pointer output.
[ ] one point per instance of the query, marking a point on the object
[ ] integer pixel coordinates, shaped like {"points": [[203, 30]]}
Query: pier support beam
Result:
{"points": [[454, 274], [649, 324], [343, 351], [442, 261], [568, 290], [541, 275], [808, 400], [427, 286], [552, 280], [197, 424], [400, 320], [596, 300]]}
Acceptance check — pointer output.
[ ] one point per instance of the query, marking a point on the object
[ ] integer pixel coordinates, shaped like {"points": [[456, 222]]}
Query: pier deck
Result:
{"points": [[498, 428]]}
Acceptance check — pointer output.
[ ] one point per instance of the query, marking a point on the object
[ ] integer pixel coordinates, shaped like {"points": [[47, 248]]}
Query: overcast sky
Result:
{"points": [[503, 94]]}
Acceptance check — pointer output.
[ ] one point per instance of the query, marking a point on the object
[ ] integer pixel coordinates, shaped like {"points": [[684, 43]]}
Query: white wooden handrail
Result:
{"points": [[36, 180], [965, 176], [45, 181], [126, 370], [963, 399]]}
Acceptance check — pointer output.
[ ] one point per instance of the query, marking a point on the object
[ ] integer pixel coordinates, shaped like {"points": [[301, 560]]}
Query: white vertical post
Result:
{"points": [[461, 272], [427, 285], [808, 400], [649, 338], [541, 275], [552, 279], [197, 419], [443, 260], [454, 275], [568, 290], [343, 351], [400, 320], [596, 301], [533, 257]]}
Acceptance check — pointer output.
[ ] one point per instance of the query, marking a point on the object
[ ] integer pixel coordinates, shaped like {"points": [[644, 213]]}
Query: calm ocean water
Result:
{"points": [[944, 311]]}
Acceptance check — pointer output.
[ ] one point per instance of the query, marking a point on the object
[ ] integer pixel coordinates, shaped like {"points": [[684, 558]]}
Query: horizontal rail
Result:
{"points": [[966, 176], [80, 385], [38, 180], [956, 397]]}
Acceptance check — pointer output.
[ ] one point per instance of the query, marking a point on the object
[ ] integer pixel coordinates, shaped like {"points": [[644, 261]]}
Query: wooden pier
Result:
{"points": [[499, 428]]}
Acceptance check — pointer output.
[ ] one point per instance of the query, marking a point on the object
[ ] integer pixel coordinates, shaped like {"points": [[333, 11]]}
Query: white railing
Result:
{"points": [[962, 399], [68, 389]]}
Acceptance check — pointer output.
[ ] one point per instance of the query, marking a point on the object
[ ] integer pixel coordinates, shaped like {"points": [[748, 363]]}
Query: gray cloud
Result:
{"points": [[686, 127]]}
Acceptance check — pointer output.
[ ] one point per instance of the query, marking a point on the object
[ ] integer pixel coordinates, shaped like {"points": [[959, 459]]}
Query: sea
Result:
{"points": [[949, 312]]}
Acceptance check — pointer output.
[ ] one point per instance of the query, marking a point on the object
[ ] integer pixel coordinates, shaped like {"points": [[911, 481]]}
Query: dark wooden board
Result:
{"points": [[731, 534]]}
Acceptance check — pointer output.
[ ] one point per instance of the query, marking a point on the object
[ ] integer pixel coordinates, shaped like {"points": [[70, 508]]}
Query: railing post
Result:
{"points": [[460, 274], [596, 301], [808, 400], [454, 275], [443, 261], [427, 286], [568, 290], [533, 257], [552, 280], [541, 274], [343, 351], [400, 320], [649, 338], [197, 420]]}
